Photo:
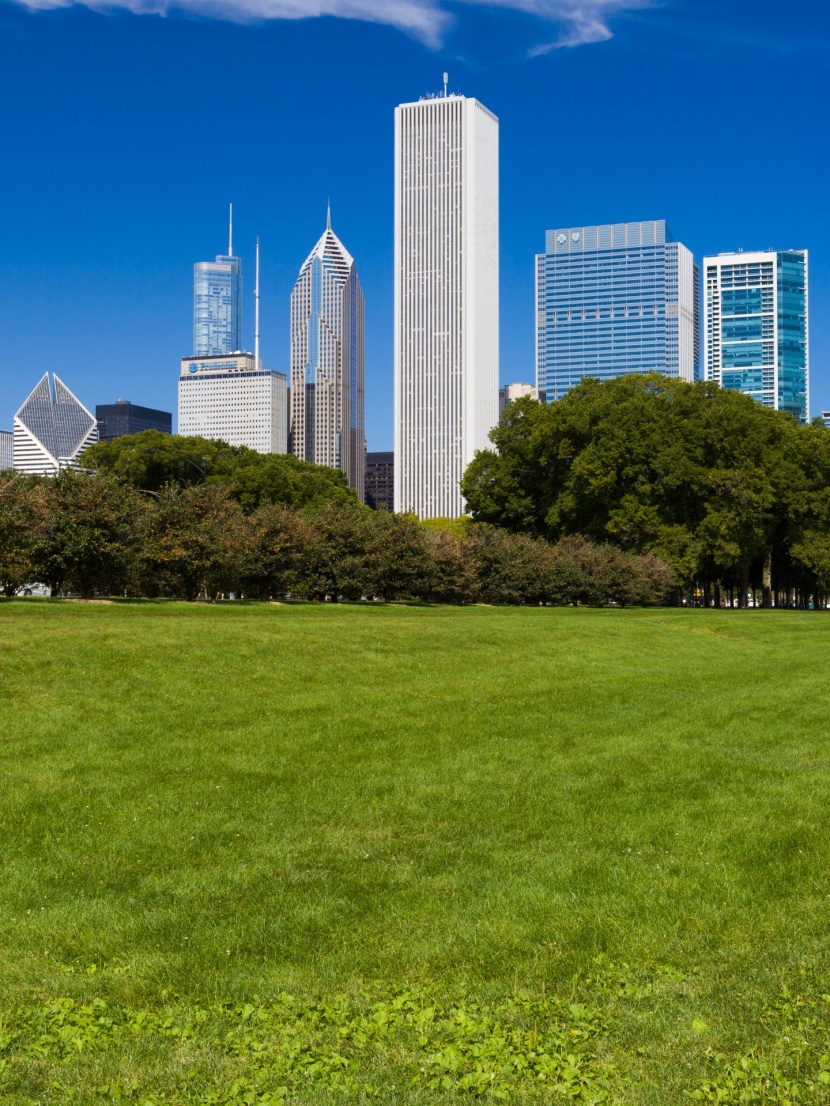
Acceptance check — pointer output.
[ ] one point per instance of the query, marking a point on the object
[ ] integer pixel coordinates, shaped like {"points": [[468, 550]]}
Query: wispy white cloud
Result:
{"points": [[577, 22]]}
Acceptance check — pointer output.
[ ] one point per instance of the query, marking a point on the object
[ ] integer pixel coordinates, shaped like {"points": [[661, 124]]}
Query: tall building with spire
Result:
{"points": [[217, 303], [327, 362], [51, 430], [446, 296]]}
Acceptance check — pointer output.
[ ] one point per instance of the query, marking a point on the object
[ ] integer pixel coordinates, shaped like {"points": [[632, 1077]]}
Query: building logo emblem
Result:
{"points": [[561, 239], [192, 368], [575, 236]]}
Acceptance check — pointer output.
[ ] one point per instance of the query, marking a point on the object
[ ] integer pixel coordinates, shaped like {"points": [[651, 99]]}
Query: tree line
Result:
{"points": [[735, 497], [93, 534]]}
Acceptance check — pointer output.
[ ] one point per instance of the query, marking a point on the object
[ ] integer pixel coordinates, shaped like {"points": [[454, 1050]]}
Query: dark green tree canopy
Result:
{"points": [[705, 478], [150, 460]]}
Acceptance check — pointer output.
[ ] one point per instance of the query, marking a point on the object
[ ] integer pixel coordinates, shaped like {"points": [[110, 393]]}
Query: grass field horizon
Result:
{"points": [[621, 813]]}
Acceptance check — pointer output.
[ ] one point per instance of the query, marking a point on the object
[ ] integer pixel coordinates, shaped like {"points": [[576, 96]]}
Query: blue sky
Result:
{"points": [[127, 128]]}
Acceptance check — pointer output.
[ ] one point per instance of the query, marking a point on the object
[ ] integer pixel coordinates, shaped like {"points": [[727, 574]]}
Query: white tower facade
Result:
{"points": [[446, 297], [327, 362], [230, 399]]}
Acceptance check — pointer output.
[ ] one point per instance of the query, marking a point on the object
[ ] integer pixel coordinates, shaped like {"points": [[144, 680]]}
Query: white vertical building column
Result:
{"points": [[446, 297]]}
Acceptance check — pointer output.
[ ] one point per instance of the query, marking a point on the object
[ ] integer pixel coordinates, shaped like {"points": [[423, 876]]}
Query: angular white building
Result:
{"points": [[446, 297], [230, 399], [328, 362], [51, 430]]}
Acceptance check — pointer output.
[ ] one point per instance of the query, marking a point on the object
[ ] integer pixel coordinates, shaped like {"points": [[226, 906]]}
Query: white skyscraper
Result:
{"points": [[446, 297], [327, 362]]}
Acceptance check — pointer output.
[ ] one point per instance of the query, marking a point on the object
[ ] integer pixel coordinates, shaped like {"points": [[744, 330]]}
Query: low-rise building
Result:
{"points": [[122, 417], [380, 480], [511, 392]]}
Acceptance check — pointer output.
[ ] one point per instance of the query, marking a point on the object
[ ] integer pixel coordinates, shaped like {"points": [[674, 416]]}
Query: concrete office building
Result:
{"points": [[615, 299], [327, 362], [380, 480], [217, 303], [6, 450], [229, 399], [755, 334], [122, 417], [511, 392], [51, 430], [825, 418], [446, 296]]}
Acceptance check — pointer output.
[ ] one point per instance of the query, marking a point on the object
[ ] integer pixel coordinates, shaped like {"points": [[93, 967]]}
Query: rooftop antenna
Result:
{"points": [[328, 216], [230, 234], [446, 82], [256, 310]]}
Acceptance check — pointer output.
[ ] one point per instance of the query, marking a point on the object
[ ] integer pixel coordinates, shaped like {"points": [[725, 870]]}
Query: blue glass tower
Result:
{"points": [[756, 331], [217, 304], [615, 299]]}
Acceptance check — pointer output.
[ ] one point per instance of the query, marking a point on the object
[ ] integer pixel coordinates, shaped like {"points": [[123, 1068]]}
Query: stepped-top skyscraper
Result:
{"points": [[51, 430], [615, 299], [756, 332], [327, 362], [217, 303], [446, 296]]}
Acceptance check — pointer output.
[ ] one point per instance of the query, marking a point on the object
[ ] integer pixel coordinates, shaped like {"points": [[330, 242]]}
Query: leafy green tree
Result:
{"points": [[151, 459], [194, 540], [334, 562], [274, 558], [701, 477], [86, 534], [21, 503]]}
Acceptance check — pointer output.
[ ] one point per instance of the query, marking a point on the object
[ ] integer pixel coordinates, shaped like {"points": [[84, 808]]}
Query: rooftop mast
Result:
{"points": [[230, 234], [256, 310]]}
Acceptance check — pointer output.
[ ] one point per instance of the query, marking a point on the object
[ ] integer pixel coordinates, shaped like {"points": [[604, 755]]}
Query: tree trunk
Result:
{"points": [[766, 579], [717, 594], [707, 597]]}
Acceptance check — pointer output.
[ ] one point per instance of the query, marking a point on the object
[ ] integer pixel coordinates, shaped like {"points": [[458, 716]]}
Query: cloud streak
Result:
{"points": [[578, 22]]}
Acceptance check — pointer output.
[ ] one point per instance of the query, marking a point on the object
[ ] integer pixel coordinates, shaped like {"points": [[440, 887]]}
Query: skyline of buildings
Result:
{"points": [[328, 361], [610, 299], [614, 299], [446, 297], [755, 333]]}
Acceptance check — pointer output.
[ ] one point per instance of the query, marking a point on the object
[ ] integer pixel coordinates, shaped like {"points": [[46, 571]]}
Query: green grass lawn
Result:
{"points": [[497, 835]]}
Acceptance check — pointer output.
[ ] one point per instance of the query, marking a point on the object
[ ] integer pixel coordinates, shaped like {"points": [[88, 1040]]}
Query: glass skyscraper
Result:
{"points": [[756, 328], [217, 305], [615, 299]]}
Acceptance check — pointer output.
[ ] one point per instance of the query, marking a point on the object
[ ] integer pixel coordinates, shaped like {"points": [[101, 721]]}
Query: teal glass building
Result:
{"points": [[614, 299], [756, 327]]}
